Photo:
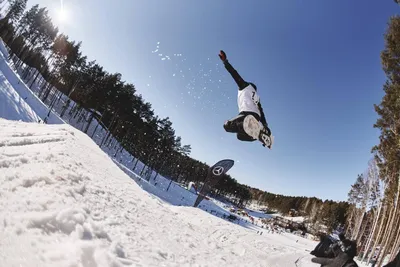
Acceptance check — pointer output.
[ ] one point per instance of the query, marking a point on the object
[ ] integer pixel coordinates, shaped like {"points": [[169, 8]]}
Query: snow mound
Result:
{"points": [[17, 101], [65, 203], [48, 216], [12, 105]]}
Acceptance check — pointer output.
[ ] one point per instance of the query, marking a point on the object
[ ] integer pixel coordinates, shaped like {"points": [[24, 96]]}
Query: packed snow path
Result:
{"points": [[64, 202]]}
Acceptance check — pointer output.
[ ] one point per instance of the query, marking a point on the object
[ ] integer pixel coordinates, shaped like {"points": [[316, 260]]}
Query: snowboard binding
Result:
{"points": [[266, 139]]}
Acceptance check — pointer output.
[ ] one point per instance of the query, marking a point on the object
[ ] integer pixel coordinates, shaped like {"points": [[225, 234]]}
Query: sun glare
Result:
{"points": [[62, 15]]}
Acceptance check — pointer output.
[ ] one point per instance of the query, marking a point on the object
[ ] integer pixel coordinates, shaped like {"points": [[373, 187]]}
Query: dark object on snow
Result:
{"points": [[232, 217], [331, 253], [322, 249], [340, 260]]}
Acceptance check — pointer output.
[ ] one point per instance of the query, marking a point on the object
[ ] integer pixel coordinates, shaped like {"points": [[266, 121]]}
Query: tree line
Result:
{"points": [[49, 58], [374, 213], [319, 215]]}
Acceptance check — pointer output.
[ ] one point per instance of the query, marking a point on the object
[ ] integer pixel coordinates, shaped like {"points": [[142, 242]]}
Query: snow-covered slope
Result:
{"points": [[12, 84], [64, 202], [12, 105]]}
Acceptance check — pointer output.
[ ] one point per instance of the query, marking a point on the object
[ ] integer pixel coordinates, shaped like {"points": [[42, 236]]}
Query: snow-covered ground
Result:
{"points": [[12, 84], [64, 202], [12, 105]]}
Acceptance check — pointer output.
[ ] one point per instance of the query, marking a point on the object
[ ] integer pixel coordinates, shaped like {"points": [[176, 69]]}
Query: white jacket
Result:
{"points": [[248, 100]]}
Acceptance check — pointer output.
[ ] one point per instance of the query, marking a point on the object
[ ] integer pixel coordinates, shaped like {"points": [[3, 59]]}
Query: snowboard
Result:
{"points": [[214, 173], [255, 129]]}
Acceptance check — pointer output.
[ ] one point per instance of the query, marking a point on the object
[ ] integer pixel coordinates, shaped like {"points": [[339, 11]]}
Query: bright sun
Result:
{"points": [[62, 15]]}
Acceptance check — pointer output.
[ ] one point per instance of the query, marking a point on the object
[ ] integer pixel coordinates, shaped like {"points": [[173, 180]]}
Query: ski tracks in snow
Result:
{"points": [[64, 202], [43, 200]]}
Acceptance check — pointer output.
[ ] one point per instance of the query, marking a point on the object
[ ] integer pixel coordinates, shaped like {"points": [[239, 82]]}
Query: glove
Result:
{"points": [[340, 260], [325, 262], [222, 55]]}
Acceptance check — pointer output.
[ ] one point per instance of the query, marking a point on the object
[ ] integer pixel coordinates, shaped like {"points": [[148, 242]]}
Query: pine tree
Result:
{"points": [[388, 123], [15, 10]]}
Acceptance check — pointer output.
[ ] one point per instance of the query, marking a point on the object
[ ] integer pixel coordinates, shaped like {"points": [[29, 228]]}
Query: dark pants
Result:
{"points": [[235, 125]]}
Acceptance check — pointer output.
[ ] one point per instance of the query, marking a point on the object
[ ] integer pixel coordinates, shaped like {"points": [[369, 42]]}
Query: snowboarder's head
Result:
{"points": [[254, 86]]}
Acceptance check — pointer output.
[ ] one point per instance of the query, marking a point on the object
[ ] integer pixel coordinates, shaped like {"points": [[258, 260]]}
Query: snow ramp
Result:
{"points": [[64, 202]]}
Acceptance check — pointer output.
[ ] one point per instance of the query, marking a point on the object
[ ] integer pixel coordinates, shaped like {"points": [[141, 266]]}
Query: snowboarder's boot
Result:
{"points": [[251, 126]]}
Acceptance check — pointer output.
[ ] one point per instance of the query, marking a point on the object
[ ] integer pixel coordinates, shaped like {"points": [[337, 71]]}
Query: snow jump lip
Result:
{"points": [[66, 201]]}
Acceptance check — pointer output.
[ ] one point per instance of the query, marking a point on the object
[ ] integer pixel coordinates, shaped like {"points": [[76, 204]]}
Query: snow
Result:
{"points": [[21, 94], [3, 49], [65, 201], [13, 106]]}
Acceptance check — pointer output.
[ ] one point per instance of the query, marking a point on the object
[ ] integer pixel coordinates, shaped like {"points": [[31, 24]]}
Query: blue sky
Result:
{"points": [[316, 65]]}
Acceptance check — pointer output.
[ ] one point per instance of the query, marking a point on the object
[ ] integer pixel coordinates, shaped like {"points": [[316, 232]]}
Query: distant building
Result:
{"points": [[288, 224]]}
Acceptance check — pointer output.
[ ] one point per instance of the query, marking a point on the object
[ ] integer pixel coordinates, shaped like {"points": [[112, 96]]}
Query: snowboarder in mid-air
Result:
{"points": [[250, 124]]}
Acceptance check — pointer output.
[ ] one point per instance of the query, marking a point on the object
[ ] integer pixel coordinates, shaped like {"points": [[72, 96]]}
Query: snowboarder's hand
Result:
{"points": [[340, 260], [324, 261], [222, 55]]}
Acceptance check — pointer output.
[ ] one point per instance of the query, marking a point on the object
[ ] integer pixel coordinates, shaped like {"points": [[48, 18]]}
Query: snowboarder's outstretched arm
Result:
{"points": [[235, 75]]}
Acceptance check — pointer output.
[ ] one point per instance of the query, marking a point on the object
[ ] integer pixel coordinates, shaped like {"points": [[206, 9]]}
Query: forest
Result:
{"points": [[373, 218], [48, 57], [51, 59]]}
